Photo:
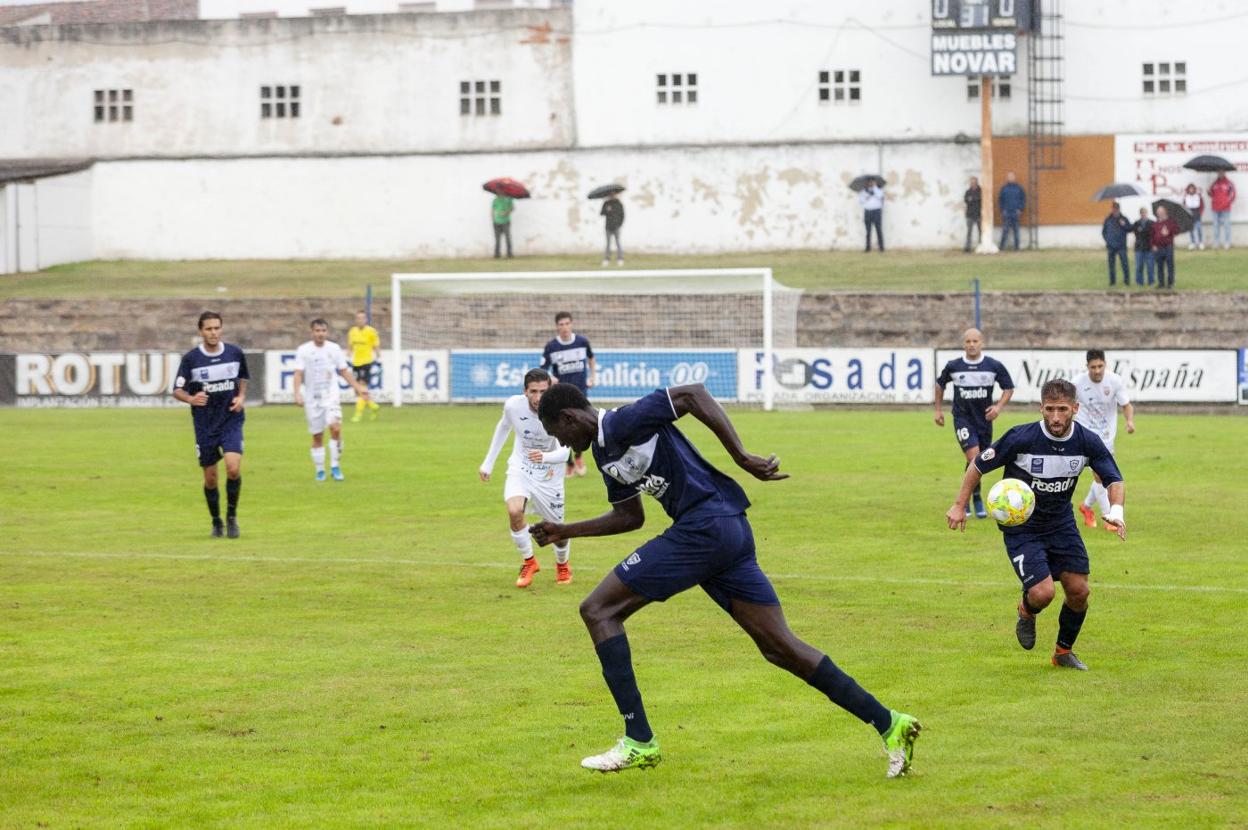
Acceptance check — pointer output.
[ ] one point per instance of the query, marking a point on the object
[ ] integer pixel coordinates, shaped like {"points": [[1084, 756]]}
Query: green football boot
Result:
{"points": [[899, 743], [626, 754]]}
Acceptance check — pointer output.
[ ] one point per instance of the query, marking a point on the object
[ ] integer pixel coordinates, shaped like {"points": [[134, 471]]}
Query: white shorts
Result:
{"points": [[322, 413], [544, 498], [1109, 443]]}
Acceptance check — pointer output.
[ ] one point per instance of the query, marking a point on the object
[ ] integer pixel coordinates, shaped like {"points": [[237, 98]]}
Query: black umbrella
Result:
{"points": [[1209, 164], [605, 191], [1177, 212], [862, 181], [1118, 191]]}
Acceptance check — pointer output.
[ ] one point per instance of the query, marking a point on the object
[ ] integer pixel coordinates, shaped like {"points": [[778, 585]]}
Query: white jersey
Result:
{"points": [[320, 366], [519, 418], [1098, 404]]}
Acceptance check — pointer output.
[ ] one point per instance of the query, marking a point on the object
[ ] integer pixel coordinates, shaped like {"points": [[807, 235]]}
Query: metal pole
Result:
{"points": [[986, 245], [368, 303], [396, 315], [768, 345]]}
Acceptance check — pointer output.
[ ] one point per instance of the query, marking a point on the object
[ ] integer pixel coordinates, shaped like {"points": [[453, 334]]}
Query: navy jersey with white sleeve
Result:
{"points": [[972, 385], [1051, 466], [569, 362], [640, 450], [216, 374]]}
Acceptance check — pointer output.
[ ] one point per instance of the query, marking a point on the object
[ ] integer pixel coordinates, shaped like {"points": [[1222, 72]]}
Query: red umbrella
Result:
{"points": [[506, 187]]}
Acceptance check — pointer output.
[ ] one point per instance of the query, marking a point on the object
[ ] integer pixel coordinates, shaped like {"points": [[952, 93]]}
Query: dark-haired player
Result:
{"points": [[534, 475], [710, 544], [570, 359], [973, 376], [1049, 455], [212, 378]]}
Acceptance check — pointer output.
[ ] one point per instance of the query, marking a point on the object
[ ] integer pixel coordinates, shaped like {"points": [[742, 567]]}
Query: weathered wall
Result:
{"points": [[1105, 319], [679, 200]]}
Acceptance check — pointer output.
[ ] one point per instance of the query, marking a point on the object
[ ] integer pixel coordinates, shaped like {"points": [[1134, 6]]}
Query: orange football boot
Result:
{"points": [[527, 570], [563, 573]]}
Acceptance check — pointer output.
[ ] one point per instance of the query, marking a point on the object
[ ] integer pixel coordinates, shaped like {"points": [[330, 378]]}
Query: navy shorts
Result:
{"points": [[363, 373], [1034, 556], [212, 445], [716, 552], [972, 433]]}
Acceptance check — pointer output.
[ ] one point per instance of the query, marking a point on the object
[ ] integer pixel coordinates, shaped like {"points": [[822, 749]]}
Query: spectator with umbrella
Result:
{"points": [[1162, 235], [1114, 231], [1194, 203], [613, 210], [1143, 230], [505, 191], [871, 197], [1221, 198]]}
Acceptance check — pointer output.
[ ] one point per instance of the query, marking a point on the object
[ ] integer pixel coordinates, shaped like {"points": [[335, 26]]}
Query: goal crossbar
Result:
{"points": [[765, 287]]}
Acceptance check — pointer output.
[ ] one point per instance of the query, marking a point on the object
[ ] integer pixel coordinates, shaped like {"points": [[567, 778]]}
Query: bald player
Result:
{"points": [[973, 375]]}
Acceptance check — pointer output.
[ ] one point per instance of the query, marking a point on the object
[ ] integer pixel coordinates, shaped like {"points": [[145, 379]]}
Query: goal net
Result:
{"points": [[647, 329]]}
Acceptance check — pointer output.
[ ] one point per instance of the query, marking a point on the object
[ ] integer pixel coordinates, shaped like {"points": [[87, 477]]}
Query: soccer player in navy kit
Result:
{"points": [[973, 377], [570, 359], [710, 543], [1049, 455], [212, 378]]}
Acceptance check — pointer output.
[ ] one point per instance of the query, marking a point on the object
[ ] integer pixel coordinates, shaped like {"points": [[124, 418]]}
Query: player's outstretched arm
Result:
{"points": [[1114, 518], [496, 446], [621, 518], [956, 516], [349, 377], [695, 400]]}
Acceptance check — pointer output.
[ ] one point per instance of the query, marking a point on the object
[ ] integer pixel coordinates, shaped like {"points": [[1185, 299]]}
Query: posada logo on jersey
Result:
{"points": [[839, 375], [622, 374], [89, 379]]}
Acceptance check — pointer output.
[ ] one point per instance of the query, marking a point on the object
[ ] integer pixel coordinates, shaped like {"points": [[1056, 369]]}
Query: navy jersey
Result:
{"points": [[1051, 466], [640, 450], [972, 385], [218, 375], [569, 362]]}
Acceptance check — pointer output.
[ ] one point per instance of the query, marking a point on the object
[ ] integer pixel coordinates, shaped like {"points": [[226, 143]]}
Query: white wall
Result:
{"points": [[678, 200], [368, 84], [46, 222], [225, 9]]}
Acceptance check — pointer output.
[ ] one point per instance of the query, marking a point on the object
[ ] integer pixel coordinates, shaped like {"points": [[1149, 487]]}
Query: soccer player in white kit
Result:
{"points": [[1100, 393], [317, 363], [535, 475]]}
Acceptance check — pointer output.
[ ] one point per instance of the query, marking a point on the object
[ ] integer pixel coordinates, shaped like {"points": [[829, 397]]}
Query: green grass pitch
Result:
{"points": [[361, 658]]}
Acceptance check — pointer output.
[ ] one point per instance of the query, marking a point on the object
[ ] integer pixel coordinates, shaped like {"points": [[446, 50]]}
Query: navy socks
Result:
{"points": [[232, 488], [1068, 624], [617, 670], [213, 496], [845, 692]]}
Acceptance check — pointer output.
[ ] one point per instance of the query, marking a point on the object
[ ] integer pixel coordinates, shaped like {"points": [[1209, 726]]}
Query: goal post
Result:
{"points": [[715, 325]]}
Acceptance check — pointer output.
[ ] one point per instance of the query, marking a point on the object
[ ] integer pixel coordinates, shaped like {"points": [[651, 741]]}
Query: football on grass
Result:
{"points": [[1011, 501]]}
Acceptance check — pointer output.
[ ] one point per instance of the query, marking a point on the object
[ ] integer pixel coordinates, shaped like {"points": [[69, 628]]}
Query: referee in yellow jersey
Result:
{"points": [[365, 351]]}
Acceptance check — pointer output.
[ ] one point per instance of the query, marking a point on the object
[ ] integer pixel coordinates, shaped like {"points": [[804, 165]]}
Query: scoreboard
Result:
{"points": [[983, 15]]}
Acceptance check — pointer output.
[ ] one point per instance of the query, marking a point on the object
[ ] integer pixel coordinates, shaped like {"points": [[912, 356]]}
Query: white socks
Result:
{"points": [[562, 552], [318, 458], [335, 450], [523, 541], [1097, 493]]}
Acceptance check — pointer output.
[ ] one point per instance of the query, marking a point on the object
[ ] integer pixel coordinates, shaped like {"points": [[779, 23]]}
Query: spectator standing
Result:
{"points": [[501, 210], [871, 198], [1195, 204], [1114, 231], [1221, 198], [973, 198], [1143, 230], [1163, 232], [613, 209], [1012, 200]]}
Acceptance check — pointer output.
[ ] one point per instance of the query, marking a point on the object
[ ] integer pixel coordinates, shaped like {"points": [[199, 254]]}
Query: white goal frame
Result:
{"points": [[766, 282]]}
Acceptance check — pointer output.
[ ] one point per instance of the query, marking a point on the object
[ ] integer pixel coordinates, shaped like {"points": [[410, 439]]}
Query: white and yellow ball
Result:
{"points": [[1011, 501]]}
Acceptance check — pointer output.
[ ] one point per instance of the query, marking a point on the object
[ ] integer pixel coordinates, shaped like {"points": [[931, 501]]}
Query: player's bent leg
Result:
{"points": [[977, 499], [212, 496], [604, 612], [1070, 620]]}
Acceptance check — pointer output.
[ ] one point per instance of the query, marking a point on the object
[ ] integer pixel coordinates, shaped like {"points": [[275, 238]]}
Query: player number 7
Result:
{"points": [[1018, 560]]}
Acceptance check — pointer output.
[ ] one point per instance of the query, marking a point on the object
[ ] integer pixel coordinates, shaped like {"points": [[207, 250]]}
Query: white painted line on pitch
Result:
{"points": [[360, 560]]}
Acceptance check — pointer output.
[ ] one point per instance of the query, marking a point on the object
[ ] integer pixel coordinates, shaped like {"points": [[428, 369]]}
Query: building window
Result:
{"points": [[1002, 88], [1165, 78], [840, 86], [279, 101], [677, 88], [113, 105], [480, 97]]}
